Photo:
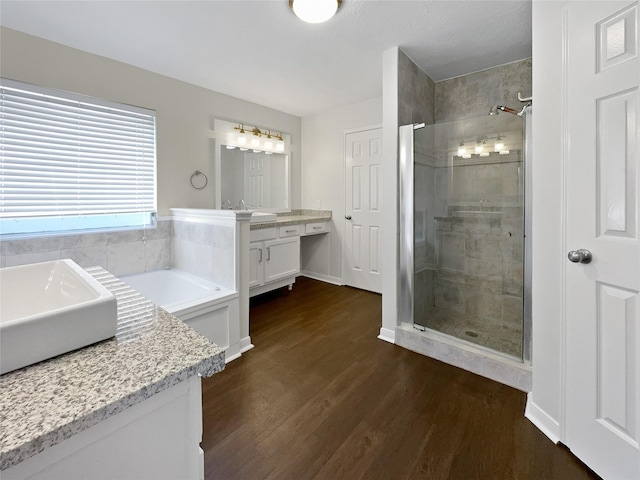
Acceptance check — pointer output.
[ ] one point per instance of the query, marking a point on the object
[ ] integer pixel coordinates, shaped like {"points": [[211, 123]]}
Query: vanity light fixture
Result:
{"points": [[499, 145], [480, 145], [462, 151], [252, 136], [314, 11]]}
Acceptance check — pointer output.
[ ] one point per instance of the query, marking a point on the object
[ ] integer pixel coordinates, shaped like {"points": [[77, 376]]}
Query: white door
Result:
{"points": [[363, 154], [602, 389], [257, 180]]}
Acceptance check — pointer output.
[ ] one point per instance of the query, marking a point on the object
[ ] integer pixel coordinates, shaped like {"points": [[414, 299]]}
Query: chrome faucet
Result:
{"points": [[226, 205], [241, 205]]}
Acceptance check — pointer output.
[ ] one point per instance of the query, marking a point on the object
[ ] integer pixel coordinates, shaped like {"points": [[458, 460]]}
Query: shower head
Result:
{"points": [[494, 110]]}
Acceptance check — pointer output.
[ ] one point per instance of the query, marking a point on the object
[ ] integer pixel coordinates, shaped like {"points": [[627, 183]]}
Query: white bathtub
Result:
{"points": [[211, 310]]}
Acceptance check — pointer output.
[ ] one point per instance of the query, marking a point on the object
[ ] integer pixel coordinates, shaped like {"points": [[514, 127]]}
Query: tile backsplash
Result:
{"points": [[121, 253]]}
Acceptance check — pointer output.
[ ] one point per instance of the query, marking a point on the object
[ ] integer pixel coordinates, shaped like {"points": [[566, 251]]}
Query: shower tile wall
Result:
{"points": [[472, 95], [416, 93], [468, 223]]}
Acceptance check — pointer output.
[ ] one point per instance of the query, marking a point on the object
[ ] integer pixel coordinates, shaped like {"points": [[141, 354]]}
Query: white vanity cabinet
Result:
{"points": [[274, 258]]}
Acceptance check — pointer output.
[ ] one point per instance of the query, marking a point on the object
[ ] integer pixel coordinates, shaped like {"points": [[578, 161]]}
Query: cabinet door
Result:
{"points": [[281, 258], [256, 264]]}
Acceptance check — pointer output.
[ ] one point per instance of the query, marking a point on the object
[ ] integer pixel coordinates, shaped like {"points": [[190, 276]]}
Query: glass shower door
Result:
{"points": [[467, 230]]}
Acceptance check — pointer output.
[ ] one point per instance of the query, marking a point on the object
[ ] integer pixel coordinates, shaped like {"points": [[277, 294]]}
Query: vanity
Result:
{"points": [[254, 177], [274, 248], [129, 407]]}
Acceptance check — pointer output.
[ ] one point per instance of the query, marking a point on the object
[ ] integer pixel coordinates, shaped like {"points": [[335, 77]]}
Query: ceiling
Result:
{"points": [[259, 51]]}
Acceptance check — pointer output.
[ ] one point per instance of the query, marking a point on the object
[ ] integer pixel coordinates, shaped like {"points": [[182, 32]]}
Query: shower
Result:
{"points": [[463, 250]]}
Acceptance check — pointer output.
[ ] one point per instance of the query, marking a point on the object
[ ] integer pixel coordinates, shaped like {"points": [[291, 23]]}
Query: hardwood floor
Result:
{"points": [[320, 397]]}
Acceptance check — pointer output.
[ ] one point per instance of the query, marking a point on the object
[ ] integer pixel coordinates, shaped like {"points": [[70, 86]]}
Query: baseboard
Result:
{"points": [[387, 335], [544, 423], [231, 358], [245, 344], [322, 277]]}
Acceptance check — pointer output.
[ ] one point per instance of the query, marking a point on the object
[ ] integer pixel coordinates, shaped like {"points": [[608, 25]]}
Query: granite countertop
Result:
{"points": [[295, 217], [43, 404]]}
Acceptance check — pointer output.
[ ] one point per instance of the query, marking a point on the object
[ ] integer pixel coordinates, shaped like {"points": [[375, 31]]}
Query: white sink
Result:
{"points": [[260, 217], [51, 308]]}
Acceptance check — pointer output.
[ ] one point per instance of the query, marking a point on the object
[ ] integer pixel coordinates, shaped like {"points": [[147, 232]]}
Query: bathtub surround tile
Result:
{"points": [[125, 258], [26, 258], [30, 245], [157, 254], [87, 256], [89, 249]]}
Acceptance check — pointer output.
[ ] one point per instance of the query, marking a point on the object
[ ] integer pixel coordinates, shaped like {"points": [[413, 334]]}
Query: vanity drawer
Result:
{"points": [[317, 227], [262, 234], [289, 231]]}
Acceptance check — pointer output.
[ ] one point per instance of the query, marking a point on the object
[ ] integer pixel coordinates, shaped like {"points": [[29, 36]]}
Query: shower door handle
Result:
{"points": [[582, 255], [348, 217]]}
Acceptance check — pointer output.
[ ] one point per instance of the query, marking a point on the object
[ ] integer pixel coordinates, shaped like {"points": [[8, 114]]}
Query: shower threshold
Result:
{"points": [[466, 355]]}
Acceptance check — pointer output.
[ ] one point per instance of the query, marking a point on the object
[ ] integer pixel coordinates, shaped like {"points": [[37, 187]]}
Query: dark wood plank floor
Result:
{"points": [[320, 397]]}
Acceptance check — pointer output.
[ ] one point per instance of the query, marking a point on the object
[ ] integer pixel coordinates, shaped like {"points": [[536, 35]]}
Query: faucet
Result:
{"points": [[241, 205], [226, 205]]}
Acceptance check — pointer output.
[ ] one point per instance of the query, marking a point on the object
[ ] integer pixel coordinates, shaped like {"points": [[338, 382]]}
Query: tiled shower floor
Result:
{"points": [[499, 336]]}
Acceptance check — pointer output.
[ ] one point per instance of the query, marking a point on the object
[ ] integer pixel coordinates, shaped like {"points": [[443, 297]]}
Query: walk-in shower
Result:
{"points": [[463, 249]]}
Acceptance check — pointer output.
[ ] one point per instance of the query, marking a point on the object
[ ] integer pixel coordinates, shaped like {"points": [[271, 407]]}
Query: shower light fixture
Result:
{"points": [[314, 11]]}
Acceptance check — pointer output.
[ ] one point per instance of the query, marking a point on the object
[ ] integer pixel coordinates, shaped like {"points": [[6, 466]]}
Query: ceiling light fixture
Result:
{"points": [[314, 11]]}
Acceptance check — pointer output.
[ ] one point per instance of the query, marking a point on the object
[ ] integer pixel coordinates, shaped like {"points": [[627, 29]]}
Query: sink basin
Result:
{"points": [[51, 308], [260, 217]]}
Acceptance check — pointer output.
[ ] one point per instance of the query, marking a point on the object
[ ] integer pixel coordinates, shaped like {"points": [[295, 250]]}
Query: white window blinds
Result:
{"points": [[70, 162]]}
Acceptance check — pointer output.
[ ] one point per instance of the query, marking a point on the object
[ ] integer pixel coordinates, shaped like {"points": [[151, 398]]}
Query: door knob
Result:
{"points": [[582, 255], [348, 217]]}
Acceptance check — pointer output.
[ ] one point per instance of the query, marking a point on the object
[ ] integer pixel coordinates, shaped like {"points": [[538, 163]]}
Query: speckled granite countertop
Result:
{"points": [[295, 217], [46, 403]]}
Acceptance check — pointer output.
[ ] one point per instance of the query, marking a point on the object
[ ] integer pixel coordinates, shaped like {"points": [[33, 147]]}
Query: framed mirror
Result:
{"points": [[257, 177], [259, 180]]}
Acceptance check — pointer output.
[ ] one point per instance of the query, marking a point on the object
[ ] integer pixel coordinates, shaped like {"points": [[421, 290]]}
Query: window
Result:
{"points": [[70, 162]]}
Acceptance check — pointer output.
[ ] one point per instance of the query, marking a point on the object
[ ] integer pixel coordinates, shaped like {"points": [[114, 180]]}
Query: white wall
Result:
{"points": [[547, 251], [389, 258], [185, 112], [323, 178]]}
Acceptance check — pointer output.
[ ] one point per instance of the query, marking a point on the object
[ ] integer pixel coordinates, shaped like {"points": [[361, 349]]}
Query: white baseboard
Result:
{"points": [[245, 344], [322, 277], [546, 424], [387, 335]]}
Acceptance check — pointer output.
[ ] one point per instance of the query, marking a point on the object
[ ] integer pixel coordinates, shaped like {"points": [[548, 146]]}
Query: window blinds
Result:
{"points": [[70, 162]]}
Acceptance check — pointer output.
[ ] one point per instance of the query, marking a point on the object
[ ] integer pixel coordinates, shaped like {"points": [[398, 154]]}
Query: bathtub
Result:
{"points": [[211, 310]]}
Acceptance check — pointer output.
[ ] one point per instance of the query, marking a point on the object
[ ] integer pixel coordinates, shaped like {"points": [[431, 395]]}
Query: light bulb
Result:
{"points": [[268, 144], [499, 145], [479, 148], [314, 11], [280, 146], [461, 150], [255, 142], [241, 140]]}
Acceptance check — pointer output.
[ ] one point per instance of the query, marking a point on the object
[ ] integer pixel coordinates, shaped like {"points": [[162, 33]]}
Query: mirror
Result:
{"points": [[260, 180]]}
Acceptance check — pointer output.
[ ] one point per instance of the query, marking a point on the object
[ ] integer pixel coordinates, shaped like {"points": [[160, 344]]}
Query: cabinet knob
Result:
{"points": [[348, 217]]}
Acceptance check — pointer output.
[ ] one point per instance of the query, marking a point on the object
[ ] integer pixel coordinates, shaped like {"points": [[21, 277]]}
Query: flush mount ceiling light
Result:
{"points": [[314, 11]]}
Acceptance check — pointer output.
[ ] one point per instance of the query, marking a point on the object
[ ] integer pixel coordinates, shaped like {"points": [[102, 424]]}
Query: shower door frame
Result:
{"points": [[406, 306]]}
